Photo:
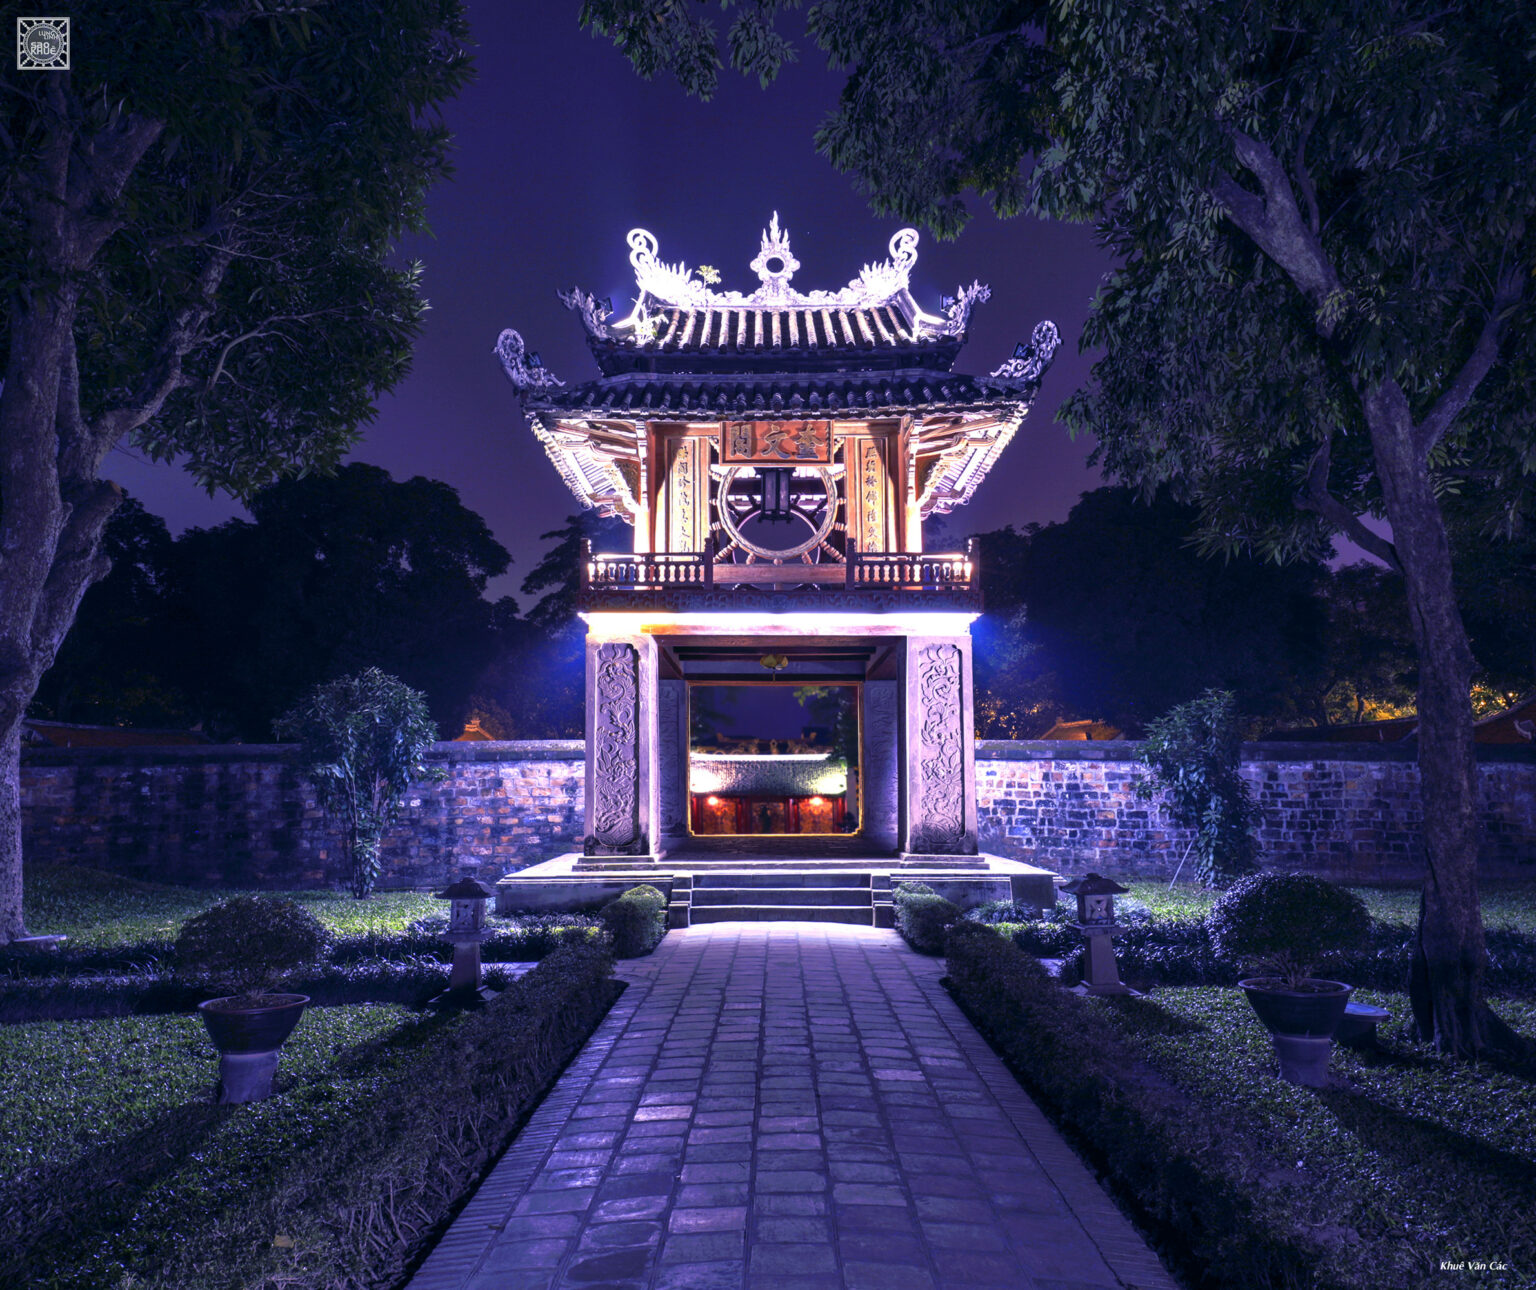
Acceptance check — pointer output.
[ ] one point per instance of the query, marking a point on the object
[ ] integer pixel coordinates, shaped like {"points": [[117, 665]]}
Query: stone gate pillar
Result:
{"points": [[672, 763], [621, 781], [880, 766], [938, 770]]}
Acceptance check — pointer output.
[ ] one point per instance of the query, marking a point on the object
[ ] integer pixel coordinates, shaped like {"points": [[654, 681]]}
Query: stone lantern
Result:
{"points": [[1096, 921], [466, 930]]}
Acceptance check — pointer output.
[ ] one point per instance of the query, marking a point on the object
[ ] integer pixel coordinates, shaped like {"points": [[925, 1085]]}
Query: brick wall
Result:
{"points": [[242, 816], [1348, 812]]}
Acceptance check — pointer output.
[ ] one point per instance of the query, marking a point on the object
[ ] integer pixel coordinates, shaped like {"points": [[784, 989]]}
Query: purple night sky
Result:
{"points": [[560, 150]]}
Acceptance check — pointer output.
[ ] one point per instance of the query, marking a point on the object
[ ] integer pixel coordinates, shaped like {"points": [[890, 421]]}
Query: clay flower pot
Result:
{"points": [[248, 1031]]}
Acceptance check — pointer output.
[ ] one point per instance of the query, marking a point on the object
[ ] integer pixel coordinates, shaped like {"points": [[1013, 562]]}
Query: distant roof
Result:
{"points": [[1088, 729], [63, 734], [1515, 724]]}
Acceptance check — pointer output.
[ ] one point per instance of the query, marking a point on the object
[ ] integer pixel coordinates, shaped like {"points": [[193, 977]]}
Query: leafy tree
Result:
{"points": [[1194, 753], [113, 667], [336, 573], [1127, 619], [364, 741], [536, 687], [1368, 671], [1326, 231], [195, 223]]}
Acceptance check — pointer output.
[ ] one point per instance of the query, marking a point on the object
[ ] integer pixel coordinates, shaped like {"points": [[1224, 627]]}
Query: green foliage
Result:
{"points": [[637, 921], [1113, 615], [1286, 922], [1193, 753], [248, 942], [923, 916], [357, 1159], [364, 739]]}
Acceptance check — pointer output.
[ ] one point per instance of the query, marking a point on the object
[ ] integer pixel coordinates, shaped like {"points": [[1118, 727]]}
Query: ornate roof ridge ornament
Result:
{"points": [[526, 371], [676, 286], [1029, 361]]}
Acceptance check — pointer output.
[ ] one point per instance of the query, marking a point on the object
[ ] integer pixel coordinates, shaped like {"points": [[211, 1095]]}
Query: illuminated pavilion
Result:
{"points": [[776, 454]]}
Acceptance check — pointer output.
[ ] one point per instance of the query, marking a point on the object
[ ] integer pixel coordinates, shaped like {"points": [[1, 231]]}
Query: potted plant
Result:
{"points": [[247, 944], [1281, 926]]}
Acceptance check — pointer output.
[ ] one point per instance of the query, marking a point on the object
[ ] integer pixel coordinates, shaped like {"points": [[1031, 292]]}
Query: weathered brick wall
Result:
{"points": [[1348, 812], [243, 816]]}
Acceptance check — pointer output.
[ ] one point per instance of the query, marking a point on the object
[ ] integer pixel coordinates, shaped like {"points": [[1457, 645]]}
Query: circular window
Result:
{"points": [[777, 513]]}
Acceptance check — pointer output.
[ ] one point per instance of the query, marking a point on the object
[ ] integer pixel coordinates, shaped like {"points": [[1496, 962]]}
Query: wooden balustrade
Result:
{"points": [[883, 570]]}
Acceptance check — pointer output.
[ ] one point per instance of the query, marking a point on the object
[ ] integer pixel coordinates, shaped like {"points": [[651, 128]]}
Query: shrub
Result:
{"points": [[1193, 754], [1177, 1166], [355, 1171], [922, 915], [248, 942], [1285, 923], [637, 921], [365, 738]]}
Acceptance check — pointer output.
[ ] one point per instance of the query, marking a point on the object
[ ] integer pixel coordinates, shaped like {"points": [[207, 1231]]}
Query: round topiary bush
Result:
{"points": [[1285, 923], [247, 942]]}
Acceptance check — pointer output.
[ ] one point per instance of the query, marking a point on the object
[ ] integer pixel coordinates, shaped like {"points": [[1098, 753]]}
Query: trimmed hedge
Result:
{"points": [[637, 921], [1184, 1173], [338, 1184], [411, 981], [922, 916]]}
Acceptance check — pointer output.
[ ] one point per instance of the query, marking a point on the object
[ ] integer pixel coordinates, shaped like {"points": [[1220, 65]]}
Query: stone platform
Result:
{"points": [[704, 886]]}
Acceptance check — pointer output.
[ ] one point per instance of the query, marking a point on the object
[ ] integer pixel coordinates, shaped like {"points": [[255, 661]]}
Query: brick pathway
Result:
{"points": [[774, 1106]]}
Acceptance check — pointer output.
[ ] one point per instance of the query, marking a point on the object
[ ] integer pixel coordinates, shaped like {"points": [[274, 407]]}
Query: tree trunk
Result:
{"points": [[50, 546], [1446, 986]]}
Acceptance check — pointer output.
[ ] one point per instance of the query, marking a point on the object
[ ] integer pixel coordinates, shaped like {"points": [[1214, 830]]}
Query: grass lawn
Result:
{"points": [[1505, 904], [102, 910], [1409, 1159], [71, 1087]]}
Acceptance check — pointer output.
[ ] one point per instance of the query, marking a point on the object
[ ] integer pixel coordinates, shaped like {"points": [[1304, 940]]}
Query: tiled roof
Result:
{"points": [[751, 394]]}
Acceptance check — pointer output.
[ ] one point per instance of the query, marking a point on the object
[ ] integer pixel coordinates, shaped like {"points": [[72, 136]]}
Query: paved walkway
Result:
{"points": [[778, 1106]]}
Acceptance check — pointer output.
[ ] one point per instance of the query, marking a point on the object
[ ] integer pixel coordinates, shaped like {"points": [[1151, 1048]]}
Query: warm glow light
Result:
{"points": [[604, 623], [712, 800], [816, 801]]}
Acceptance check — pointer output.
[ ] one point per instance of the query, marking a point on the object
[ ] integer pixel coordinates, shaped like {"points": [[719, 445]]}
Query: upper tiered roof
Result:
{"points": [[686, 351]]}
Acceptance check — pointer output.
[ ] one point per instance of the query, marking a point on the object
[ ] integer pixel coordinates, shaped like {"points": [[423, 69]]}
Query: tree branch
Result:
{"points": [[1484, 354], [1317, 498], [1275, 223]]}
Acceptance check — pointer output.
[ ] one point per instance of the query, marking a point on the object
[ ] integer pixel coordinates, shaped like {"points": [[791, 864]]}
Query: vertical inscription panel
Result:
{"points": [[879, 765], [940, 805], [672, 758], [614, 746]]}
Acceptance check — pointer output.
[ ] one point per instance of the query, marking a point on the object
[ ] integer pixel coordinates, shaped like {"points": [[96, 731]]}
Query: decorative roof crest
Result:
{"points": [[678, 286]]}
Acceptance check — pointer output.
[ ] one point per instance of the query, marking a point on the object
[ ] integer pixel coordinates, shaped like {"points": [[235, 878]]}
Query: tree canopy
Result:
{"points": [[1326, 238], [196, 222]]}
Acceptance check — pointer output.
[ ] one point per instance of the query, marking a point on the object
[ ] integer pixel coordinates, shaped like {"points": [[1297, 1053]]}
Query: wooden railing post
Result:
{"points": [[850, 564], [709, 561]]}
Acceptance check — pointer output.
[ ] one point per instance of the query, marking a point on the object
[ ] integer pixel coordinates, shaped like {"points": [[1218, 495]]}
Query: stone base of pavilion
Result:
{"points": [[771, 879]]}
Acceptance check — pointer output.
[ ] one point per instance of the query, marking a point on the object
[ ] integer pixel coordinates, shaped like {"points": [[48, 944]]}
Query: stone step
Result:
{"points": [[781, 878], [779, 897], [861, 916]]}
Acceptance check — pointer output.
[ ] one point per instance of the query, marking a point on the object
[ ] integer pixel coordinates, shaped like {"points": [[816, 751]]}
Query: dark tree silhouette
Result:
{"points": [[195, 228]]}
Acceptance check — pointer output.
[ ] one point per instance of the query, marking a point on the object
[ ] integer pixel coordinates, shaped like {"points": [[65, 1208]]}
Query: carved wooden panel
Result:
{"points": [[776, 442], [869, 492], [685, 494], [938, 753], [616, 745]]}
